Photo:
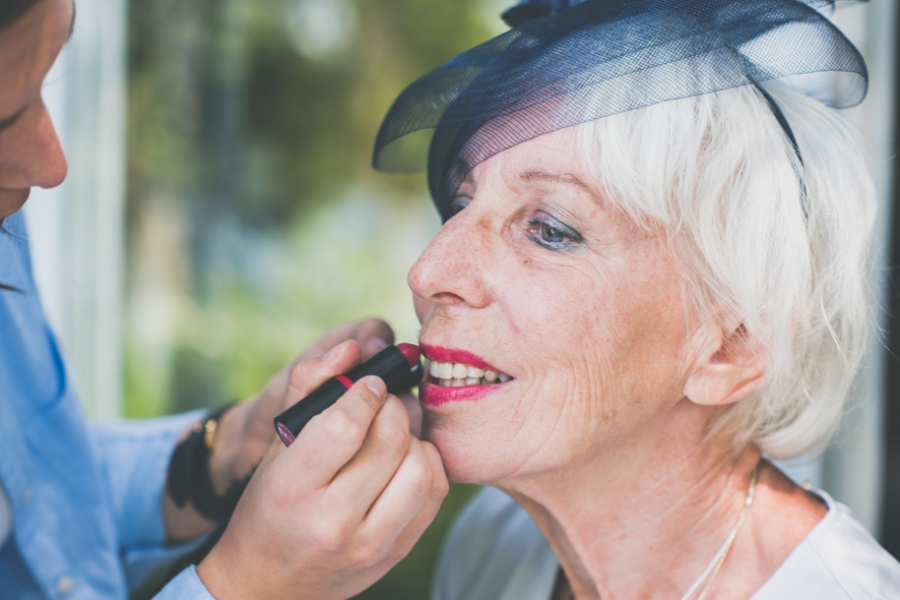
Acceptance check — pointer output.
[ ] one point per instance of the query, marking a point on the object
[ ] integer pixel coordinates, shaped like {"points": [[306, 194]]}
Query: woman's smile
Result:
{"points": [[457, 375]]}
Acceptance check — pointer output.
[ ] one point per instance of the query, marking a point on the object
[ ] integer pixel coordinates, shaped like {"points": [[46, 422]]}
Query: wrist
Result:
{"points": [[190, 478], [222, 580], [224, 450]]}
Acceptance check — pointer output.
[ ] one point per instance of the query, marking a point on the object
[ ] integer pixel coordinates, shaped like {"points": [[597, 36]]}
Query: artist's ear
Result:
{"points": [[730, 366]]}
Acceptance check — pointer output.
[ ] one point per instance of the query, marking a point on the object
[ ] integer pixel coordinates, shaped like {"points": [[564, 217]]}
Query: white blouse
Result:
{"points": [[496, 552]]}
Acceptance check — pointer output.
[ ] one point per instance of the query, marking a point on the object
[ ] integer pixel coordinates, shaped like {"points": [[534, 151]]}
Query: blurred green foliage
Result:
{"points": [[255, 221], [225, 108]]}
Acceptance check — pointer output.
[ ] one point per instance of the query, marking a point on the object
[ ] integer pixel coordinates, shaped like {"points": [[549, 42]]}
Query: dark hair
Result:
{"points": [[10, 10]]}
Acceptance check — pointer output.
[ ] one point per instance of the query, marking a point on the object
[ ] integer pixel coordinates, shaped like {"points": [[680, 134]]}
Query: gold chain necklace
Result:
{"points": [[719, 559]]}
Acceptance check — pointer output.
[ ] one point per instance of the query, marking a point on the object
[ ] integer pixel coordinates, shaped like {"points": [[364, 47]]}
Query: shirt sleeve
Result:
{"points": [[133, 458], [186, 586]]}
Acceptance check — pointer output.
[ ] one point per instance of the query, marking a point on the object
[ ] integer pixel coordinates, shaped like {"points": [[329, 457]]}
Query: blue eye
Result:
{"points": [[553, 235]]}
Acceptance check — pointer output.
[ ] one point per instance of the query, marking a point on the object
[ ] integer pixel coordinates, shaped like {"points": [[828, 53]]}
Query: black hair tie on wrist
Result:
{"points": [[189, 478]]}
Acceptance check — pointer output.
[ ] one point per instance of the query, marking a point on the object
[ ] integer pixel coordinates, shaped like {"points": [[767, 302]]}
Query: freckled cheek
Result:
{"points": [[598, 344], [562, 318], [562, 346]]}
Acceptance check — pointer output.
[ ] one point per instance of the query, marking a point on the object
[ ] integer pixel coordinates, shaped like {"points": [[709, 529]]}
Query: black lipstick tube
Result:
{"points": [[398, 366]]}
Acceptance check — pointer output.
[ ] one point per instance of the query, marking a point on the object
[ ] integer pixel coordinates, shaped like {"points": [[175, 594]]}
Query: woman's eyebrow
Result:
{"points": [[564, 178]]}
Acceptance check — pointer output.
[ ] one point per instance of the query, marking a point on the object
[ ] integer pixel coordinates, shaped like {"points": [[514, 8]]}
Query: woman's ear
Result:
{"points": [[730, 366]]}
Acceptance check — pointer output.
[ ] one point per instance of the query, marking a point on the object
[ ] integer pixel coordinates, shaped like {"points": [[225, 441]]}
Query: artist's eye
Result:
{"points": [[551, 234]]}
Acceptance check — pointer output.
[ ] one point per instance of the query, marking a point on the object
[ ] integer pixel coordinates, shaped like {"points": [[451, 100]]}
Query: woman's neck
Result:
{"points": [[645, 521]]}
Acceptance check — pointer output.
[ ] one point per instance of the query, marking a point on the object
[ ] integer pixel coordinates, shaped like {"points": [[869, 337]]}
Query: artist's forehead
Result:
{"points": [[28, 48]]}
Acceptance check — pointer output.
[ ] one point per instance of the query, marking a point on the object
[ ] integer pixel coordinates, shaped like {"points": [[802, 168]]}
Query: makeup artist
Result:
{"points": [[87, 510], [651, 278]]}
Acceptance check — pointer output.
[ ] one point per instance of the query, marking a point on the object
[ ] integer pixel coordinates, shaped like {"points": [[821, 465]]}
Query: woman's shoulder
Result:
{"points": [[494, 552], [838, 559]]}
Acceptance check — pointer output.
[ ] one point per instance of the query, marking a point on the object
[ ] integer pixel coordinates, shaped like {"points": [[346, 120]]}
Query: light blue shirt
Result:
{"points": [[86, 500]]}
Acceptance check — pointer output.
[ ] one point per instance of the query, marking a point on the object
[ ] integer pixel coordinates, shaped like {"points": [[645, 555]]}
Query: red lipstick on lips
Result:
{"points": [[438, 354], [431, 394]]}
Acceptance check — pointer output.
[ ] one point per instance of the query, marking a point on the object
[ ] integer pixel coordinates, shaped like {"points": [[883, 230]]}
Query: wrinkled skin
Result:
{"points": [[593, 332], [604, 434]]}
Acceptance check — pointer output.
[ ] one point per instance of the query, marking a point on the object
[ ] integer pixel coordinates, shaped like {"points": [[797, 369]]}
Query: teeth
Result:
{"points": [[451, 374], [445, 370], [473, 372]]}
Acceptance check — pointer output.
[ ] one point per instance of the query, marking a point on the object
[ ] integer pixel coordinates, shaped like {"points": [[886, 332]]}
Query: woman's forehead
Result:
{"points": [[28, 48], [550, 158]]}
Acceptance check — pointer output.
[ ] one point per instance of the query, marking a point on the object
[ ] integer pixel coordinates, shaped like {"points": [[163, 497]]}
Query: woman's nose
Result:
{"points": [[454, 268]]}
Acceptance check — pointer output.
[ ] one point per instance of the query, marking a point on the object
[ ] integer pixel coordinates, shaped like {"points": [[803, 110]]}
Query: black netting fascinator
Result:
{"points": [[567, 62]]}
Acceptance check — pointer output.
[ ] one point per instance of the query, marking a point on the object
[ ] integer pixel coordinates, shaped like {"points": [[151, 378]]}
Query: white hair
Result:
{"points": [[778, 241]]}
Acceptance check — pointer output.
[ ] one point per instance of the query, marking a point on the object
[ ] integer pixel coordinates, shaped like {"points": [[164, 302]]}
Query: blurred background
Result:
{"points": [[221, 212]]}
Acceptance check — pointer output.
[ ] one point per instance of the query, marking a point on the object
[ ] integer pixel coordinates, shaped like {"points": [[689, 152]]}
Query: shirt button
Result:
{"points": [[65, 585], [27, 494]]}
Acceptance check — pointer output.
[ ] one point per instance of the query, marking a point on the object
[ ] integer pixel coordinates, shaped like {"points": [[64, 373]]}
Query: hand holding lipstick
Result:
{"points": [[329, 515], [245, 432], [397, 366]]}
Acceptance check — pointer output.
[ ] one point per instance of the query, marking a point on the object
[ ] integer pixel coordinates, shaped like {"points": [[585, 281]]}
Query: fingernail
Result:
{"points": [[376, 385], [378, 344], [334, 351]]}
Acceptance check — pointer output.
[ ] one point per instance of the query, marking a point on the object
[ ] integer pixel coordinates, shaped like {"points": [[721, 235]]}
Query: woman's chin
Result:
{"points": [[466, 459]]}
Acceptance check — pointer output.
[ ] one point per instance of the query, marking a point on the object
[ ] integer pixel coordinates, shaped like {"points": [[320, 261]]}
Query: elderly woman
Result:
{"points": [[650, 277]]}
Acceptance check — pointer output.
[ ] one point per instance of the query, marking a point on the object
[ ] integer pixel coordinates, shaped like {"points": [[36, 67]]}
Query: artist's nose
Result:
{"points": [[31, 154]]}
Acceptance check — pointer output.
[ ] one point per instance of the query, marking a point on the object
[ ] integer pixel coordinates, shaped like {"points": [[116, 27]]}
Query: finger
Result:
{"points": [[307, 375], [331, 439], [368, 473], [429, 509], [411, 499], [414, 410], [278, 393], [372, 334]]}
